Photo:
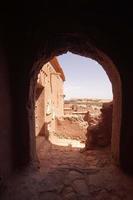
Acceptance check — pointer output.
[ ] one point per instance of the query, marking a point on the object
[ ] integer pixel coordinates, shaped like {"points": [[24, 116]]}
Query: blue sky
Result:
{"points": [[85, 78]]}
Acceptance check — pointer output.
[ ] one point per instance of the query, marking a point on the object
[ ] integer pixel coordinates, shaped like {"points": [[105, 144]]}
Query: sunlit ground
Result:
{"points": [[65, 142]]}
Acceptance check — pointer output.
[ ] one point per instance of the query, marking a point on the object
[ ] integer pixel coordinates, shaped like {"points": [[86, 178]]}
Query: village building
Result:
{"points": [[49, 100]]}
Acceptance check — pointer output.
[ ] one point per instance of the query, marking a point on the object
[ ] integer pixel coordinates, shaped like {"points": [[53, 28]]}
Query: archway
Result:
{"points": [[83, 47], [63, 116]]}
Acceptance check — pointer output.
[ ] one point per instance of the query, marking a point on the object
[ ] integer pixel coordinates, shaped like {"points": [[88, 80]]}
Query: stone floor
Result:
{"points": [[67, 174]]}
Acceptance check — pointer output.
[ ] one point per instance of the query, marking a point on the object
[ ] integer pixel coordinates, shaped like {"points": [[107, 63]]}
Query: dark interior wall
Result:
{"points": [[6, 156], [35, 33], [126, 148]]}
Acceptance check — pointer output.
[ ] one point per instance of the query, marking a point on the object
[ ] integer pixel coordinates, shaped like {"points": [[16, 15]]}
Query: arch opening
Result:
{"points": [[68, 107], [88, 51]]}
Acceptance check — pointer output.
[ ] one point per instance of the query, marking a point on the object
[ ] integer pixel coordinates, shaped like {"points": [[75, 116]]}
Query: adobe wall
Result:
{"points": [[50, 101]]}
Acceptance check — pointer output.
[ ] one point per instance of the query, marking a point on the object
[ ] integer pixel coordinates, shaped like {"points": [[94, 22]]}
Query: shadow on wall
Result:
{"points": [[41, 138], [44, 131], [38, 92]]}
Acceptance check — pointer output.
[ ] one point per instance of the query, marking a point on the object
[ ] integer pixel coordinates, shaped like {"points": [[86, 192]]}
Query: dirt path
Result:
{"points": [[67, 174]]}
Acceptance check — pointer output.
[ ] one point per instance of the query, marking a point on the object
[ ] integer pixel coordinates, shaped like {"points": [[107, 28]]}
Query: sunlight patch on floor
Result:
{"points": [[65, 142]]}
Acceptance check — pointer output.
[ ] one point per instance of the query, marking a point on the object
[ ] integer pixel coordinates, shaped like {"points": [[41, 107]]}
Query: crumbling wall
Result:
{"points": [[100, 135], [91, 119]]}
